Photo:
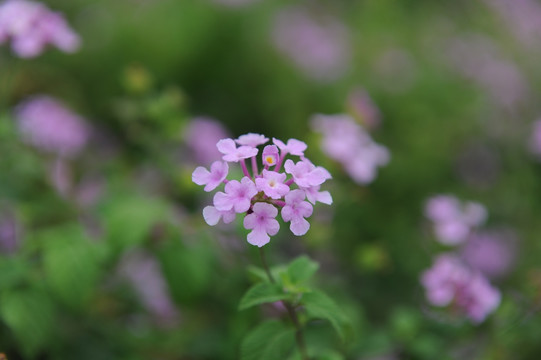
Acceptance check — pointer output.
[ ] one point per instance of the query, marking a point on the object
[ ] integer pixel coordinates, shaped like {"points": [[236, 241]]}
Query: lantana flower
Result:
{"points": [[454, 220], [31, 26], [261, 196], [449, 282]]}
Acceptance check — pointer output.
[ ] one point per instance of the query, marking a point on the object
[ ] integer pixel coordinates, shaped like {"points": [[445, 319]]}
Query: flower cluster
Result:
{"points": [[454, 220], [261, 195], [451, 282], [46, 124], [460, 278], [31, 26], [348, 143]]}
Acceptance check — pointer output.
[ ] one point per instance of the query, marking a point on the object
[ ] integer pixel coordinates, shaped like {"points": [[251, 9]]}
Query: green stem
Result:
{"points": [[290, 310]]}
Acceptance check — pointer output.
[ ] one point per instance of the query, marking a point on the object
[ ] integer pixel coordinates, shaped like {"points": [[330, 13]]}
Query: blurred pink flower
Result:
{"points": [[348, 143], [490, 252], [31, 26], [454, 220], [523, 17], [319, 46], [201, 137], [49, 126], [451, 283], [479, 59], [143, 272]]}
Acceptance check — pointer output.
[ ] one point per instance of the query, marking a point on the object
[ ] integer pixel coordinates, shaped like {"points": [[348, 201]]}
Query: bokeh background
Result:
{"points": [[105, 254]]}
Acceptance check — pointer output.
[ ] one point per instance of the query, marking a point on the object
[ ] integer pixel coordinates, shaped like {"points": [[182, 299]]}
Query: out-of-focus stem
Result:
{"points": [[299, 337]]}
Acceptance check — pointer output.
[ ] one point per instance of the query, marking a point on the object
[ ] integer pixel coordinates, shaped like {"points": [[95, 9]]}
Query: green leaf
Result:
{"points": [[30, 315], [12, 271], [128, 220], [301, 269], [262, 293], [319, 305], [71, 265], [271, 340]]}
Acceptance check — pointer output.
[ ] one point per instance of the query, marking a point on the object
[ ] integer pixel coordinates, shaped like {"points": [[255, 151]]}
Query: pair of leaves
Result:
{"points": [[291, 279]]}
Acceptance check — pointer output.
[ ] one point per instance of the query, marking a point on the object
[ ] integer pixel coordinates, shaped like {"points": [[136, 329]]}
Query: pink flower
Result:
{"points": [[218, 173], [453, 220], [305, 174], [490, 252], [49, 126], [251, 139], [213, 215], [348, 143], [262, 222], [31, 26], [296, 210], [270, 155], [234, 154], [449, 281], [271, 192], [293, 147], [237, 196], [272, 184]]}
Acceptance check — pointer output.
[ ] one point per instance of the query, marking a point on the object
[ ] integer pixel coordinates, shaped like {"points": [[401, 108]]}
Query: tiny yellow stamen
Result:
{"points": [[270, 160]]}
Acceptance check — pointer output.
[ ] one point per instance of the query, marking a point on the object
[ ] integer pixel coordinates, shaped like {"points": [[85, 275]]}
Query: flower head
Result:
{"points": [[261, 196]]}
